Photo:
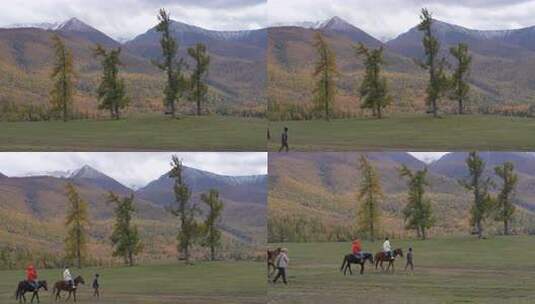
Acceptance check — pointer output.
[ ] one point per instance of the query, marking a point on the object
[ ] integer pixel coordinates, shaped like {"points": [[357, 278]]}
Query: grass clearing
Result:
{"points": [[203, 283], [409, 132], [138, 133], [454, 270]]}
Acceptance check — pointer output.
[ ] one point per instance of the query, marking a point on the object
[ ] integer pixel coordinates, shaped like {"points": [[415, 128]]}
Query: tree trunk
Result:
{"points": [[212, 252], [379, 112], [423, 234], [506, 227], [461, 110], [479, 229], [130, 259]]}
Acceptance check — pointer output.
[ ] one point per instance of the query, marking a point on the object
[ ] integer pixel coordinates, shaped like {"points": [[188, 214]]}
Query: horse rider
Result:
{"points": [[67, 277], [31, 276], [356, 248], [387, 248]]}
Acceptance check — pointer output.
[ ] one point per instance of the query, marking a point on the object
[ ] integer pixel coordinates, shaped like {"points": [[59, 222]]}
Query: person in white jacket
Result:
{"points": [[281, 262], [387, 248], [67, 277]]}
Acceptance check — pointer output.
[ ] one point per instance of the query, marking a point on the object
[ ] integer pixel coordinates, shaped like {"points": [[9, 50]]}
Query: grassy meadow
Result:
{"points": [[408, 131], [452, 270], [203, 283], [146, 133]]}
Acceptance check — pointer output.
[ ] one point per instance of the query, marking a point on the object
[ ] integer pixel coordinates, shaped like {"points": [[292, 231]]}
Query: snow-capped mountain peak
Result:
{"points": [[75, 25], [86, 172], [334, 23]]}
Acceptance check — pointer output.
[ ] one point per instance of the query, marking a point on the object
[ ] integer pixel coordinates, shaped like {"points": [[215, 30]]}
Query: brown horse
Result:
{"points": [[352, 259], [66, 286], [271, 257], [381, 257], [25, 286]]}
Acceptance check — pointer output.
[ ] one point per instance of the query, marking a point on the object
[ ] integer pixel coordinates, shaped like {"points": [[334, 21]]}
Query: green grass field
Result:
{"points": [[152, 132], [203, 283], [457, 270], [413, 132]]}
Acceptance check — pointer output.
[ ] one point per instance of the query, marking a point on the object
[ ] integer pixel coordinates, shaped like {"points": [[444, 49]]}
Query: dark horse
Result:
{"points": [[271, 257], [381, 257], [66, 286], [25, 286], [352, 259]]}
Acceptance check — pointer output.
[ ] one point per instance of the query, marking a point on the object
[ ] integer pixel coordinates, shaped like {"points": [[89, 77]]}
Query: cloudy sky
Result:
{"points": [[131, 169], [128, 18], [389, 18]]}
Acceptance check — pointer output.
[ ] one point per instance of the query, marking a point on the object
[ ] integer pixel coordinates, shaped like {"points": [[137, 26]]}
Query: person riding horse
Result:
{"points": [[31, 276], [387, 248], [356, 248], [67, 277]]}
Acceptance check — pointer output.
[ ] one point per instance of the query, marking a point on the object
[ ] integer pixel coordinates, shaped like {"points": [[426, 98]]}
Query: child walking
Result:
{"points": [[96, 286], [282, 263], [409, 260]]}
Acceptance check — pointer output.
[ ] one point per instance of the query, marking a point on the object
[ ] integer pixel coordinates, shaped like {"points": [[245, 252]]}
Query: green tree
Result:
{"points": [[184, 210], [61, 95], [480, 187], [505, 208], [325, 71], [175, 80], [111, 91], [460, 86], [215, 208], [77, 223], [198, 88], [125, 237], [370, 193], [373, 89], [418, 212], [438, 81]]}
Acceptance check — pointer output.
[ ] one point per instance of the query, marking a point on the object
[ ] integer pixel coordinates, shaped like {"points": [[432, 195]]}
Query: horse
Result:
{"points": [[381, 257], [25, 286], [271, 257], [66, 286], [352, 259]]}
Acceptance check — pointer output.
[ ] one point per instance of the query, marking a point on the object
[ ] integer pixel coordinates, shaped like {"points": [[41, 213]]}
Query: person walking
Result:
{"points": [[284, 140], [282, 264], [96, 286], [410, 260]]}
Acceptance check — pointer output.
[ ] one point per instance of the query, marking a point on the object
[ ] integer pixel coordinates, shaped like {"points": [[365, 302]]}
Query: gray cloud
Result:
{"points": [[128, 18], [389, 18], [131, 168]]}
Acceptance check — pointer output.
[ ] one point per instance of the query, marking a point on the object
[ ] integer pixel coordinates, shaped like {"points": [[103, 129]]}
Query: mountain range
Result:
{"points": [[500, 74], [32, 208], [236, 75], [323, 187]]}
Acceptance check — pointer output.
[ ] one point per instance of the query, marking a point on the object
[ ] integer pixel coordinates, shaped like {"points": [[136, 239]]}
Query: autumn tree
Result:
{"points": [[176, 83], [326, 72], [212, 237], [125, 237], [184, 210], [480, 186], [61, 95], [418, 212], [199, 89], [111, 91], [505, 208], [77, 223], [370, 193], [373, 89], [438, 81], [460, 86]]}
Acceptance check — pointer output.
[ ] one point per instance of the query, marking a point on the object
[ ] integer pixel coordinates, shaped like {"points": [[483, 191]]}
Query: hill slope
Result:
{"points": [[321, 189]]}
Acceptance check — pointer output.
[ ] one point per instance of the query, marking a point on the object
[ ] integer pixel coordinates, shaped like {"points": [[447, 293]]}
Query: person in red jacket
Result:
{"points": [[31, 276], [356, 248]]}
